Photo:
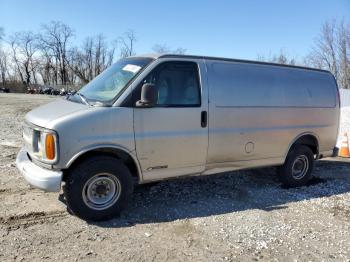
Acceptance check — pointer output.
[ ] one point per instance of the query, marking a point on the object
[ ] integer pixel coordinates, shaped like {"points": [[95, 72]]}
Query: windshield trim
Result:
{"points": [[83, 98]]}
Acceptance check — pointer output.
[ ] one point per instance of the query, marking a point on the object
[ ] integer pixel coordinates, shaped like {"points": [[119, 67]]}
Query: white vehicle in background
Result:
{"points": [[150, 118]]}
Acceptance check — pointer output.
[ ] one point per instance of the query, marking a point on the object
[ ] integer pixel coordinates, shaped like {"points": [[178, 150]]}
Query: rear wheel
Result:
{"points": [[98, 188], [297, 169]]}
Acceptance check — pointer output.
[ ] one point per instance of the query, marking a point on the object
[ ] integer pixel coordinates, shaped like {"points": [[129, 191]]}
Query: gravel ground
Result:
{"points": [[237, 216]]}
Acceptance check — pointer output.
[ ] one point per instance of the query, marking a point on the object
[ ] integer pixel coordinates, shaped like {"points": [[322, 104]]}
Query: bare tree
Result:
{"points": [[3, 60], [281, 58], [180, 51], [127, 43], [343, 46], [47, 69], [331, 51], [94, 57], [161, 49], [165, 49], [4, 66], [55, 39], [323, 53], [24, 46]]}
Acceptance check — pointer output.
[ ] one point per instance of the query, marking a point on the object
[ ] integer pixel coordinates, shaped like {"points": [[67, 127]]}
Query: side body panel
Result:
{"points": [[257, 111]]}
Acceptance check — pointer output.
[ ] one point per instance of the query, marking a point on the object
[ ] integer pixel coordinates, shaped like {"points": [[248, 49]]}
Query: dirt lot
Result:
{"points": [[244, 215]]}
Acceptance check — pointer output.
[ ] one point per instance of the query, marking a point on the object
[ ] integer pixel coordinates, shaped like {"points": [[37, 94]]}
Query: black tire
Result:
{"points": [[303, 157], [96, 169]]}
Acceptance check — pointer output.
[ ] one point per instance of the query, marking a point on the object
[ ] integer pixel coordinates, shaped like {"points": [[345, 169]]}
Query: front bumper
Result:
{"points": [[45, 179]]}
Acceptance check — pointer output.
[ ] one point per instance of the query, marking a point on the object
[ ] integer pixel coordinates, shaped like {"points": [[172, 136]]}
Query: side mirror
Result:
{"points": [[148, 96]]}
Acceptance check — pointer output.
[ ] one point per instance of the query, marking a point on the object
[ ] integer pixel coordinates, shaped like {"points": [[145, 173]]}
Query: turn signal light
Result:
{"points": [[50, 147]]}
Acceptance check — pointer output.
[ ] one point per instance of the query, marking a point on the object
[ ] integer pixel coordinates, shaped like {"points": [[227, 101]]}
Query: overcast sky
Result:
{"points": [[239, 29]]}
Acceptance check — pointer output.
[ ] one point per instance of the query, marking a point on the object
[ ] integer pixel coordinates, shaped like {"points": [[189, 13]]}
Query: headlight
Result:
{"points": [[42, 144]]}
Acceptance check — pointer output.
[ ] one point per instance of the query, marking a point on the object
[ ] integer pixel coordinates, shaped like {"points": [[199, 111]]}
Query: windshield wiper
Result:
{"points": [[83, 98]]}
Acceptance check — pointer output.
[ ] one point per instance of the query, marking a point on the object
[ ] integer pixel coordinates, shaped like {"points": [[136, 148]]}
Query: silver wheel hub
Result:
{"points": [[101, 191], [300, 167]]}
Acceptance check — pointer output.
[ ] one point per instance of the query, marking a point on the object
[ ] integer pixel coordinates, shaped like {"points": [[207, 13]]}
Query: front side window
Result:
{"points": [[112, 82], [177, 84]]}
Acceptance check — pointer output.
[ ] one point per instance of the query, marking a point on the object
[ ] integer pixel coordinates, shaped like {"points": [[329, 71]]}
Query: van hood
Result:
{"points": [[43, 115]]}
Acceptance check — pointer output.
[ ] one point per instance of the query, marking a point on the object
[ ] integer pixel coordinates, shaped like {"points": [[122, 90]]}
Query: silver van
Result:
{"points": [[155, 117]]}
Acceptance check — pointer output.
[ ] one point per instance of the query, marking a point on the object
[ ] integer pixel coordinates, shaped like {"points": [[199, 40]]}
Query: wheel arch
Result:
{"points": [[309, 139], [127, 157]]}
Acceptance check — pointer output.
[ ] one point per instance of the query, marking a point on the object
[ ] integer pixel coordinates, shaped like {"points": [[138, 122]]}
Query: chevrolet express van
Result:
{"points": [[155, 117]]}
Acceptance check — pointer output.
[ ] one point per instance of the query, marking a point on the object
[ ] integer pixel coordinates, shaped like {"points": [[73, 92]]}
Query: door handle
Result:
{"points": [[204, 119]]}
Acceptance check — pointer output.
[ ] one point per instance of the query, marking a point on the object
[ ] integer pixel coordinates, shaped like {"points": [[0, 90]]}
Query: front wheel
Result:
{"points": [[297, 170], [98, 188]]}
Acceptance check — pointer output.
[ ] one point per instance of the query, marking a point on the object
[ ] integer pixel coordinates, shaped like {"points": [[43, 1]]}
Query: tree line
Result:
{"points": [[49, 56]]}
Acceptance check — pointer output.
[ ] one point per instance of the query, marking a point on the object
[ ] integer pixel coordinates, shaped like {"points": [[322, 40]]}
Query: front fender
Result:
{"points": [[112, 147]]}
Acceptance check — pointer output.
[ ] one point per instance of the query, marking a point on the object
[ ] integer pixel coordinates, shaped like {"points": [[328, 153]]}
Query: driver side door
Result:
{"points": [[171, 138]]}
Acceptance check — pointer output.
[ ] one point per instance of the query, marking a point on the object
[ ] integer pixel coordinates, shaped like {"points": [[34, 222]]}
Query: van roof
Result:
{"points": [[156, 56]]}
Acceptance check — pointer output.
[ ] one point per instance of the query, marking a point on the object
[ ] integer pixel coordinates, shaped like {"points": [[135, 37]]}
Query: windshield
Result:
{"points": [[111, 82]]}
